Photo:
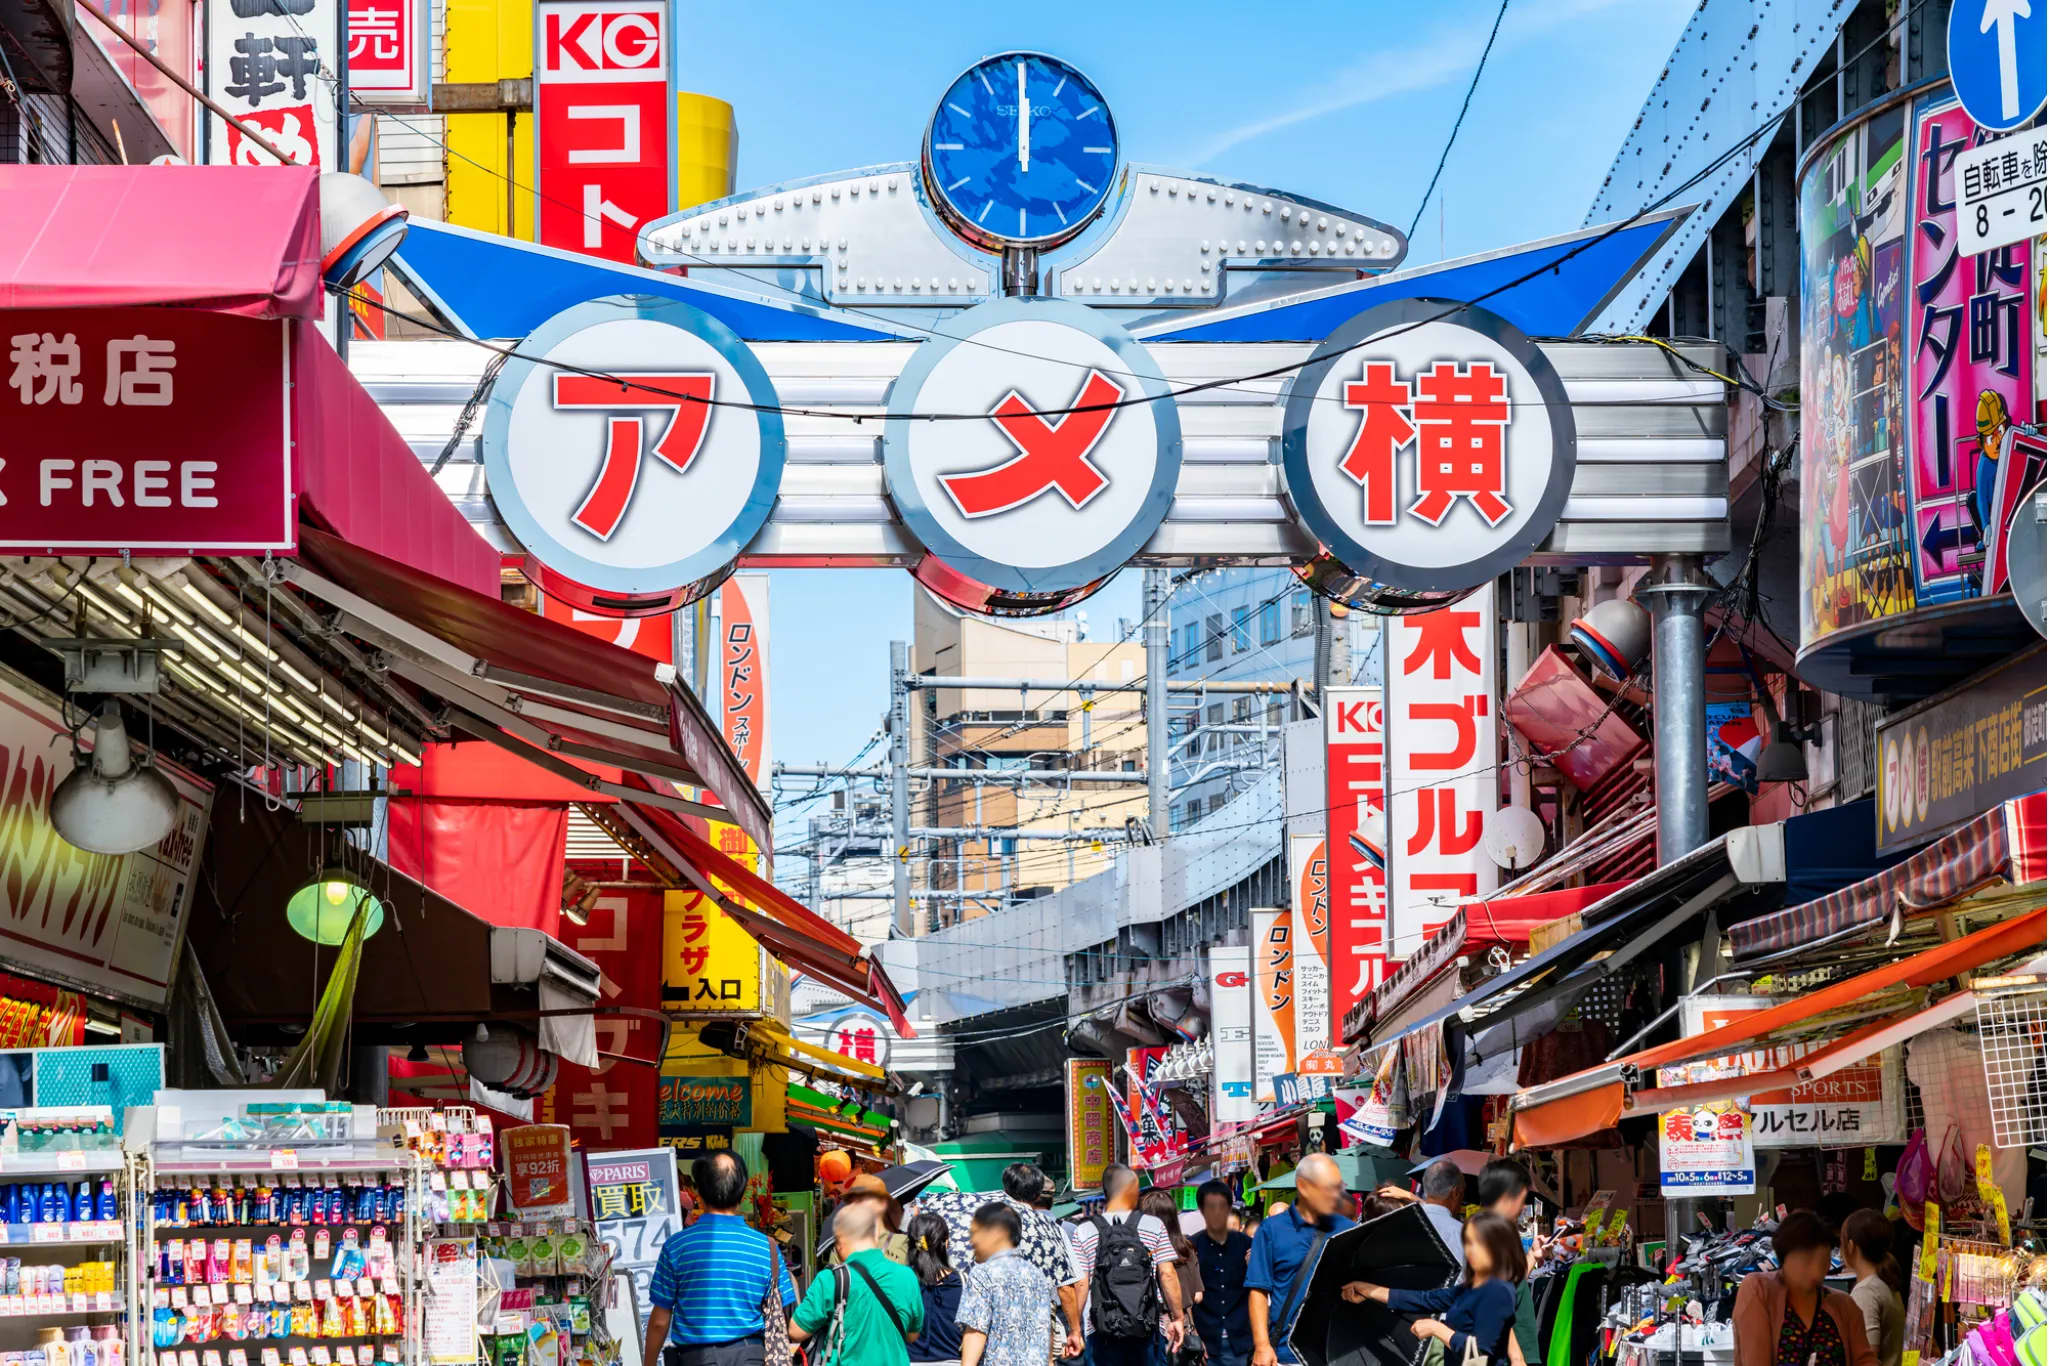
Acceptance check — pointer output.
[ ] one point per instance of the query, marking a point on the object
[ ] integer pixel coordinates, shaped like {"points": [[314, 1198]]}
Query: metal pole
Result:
{"points": [[1159, 586], [900, 785], [1677, 591], [1320, 669]]}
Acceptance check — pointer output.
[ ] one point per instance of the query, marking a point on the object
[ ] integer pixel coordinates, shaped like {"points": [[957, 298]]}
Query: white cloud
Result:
{"points": [[1438, 57]]}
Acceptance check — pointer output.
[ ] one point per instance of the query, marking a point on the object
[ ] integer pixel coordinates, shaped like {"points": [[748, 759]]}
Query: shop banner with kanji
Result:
{"points": [[1309, 888], [635, 1209], [275, 67], [1091, 1127], [1158, 1135], [1856, 1107], [1273, 998], [709, 963], [613, 1105], [1443, 770]]}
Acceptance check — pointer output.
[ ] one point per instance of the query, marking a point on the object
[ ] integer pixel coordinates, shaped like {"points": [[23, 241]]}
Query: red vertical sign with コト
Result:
{"points": [[602, 104], [1443, 765], [1355, 775]]}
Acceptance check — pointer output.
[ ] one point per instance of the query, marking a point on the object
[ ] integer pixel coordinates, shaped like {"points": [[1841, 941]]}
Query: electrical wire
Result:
{"points": [[1460, 121]]}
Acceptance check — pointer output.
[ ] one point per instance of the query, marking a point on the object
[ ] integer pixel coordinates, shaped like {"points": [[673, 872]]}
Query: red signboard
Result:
{"points": [[602, 106], [615, 1104], [388, 54], [1355, 771], [145, 429]]}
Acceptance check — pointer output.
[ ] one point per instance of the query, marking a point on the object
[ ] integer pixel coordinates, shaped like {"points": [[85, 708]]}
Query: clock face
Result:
{"points": [[1021, 151]]}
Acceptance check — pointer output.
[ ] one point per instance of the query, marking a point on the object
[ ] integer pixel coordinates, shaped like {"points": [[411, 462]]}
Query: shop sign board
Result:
{"points": [[1917, 362], [390, 52], [1230, 1016], [613, 1104], [169, 31], [1962, 753], [1706, 1150], [603, 102], [1443, 781], [1158, 1135], [1065, 463], [1430, 446], [635, 1210], [2001, 186], [146, 429], [1355, 777], [1856, 1107], [111, 924], [634, 493], [537, 1158], [710, 965], [743, 671], [861, 1035], [1309, 881], [690, 1101], [1091, 1128], [1273, 998], [274, 66]]}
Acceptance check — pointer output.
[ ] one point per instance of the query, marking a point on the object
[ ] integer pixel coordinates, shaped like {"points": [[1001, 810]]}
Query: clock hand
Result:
{"points": [[1024, 123]]}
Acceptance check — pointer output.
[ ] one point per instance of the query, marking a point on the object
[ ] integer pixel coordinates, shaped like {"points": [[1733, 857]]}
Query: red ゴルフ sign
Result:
{"points": [[145, 429], [1355, 772], [601, 122]]}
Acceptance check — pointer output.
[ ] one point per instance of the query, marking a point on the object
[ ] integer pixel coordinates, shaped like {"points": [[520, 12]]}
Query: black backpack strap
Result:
{"points": [[1293, 1305], [887, 1308]]}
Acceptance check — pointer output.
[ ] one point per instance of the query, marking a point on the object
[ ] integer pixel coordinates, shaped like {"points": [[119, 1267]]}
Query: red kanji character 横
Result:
{"points": [[1462, 428], [1384, 428]]}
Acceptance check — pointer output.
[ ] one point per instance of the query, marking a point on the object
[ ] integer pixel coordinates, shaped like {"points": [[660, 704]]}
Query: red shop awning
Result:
{"points": [[780, 923], [584, 710], [2005, 844], [227, 239]]}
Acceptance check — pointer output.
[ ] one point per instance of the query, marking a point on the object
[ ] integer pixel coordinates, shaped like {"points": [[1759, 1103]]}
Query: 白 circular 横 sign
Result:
{"points": [[1032, 450], [621, 452], [1429, 447]]}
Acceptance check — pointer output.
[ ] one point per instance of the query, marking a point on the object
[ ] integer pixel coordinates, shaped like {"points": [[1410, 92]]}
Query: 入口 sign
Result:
{"points": [[1427, 452], [709, 963], [1063, 469], [145, 429], [633, 494]]}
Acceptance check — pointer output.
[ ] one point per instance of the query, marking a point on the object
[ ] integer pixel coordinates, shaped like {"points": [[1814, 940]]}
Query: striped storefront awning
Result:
{"points": [[2004, 845]]}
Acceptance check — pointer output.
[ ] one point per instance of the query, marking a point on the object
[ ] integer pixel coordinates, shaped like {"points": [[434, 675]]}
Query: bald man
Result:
{"points": [[1284, 1254]]}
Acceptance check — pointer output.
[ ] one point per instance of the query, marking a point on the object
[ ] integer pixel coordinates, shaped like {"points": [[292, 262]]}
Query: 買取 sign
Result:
{"points": [[634, 1209]]}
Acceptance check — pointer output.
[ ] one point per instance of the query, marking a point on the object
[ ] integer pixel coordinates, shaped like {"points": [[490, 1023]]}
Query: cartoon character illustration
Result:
{"points": [[2010, 462]]}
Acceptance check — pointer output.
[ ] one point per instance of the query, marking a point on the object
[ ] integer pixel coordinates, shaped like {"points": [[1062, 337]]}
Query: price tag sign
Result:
{"points": [[49, 1233], [179, 1298], [245, 1295], [79, 1302], [284, 1160], [103, 1300], [71, 1162]]}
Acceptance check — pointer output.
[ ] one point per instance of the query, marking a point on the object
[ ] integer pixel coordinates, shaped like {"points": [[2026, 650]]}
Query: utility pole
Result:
{"points": [[1158, 734], [1325, 634], [900, 787]]}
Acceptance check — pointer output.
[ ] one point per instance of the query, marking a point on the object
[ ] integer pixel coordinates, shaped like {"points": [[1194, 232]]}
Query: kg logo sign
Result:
{"points": [[619, 451], [1428, 449], [1032, 450]]}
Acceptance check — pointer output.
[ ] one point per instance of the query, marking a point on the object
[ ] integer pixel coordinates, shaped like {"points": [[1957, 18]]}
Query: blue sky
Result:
{"points": [[1348, 105]]}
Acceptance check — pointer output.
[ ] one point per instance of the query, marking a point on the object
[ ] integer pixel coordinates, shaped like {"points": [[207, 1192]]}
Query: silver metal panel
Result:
{"points": [[1738, 63], [1652, 475]]}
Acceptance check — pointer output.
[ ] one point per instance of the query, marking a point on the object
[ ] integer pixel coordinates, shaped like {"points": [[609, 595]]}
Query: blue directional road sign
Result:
{"points": [[1999, 59]]}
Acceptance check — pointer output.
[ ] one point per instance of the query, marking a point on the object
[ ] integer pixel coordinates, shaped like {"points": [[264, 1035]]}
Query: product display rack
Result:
{"points": [[238, 1310], [561, 1274], [59, 1271]]}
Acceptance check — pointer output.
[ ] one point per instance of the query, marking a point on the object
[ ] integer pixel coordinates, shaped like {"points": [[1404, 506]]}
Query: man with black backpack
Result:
{"points": [[1128, 1264]]}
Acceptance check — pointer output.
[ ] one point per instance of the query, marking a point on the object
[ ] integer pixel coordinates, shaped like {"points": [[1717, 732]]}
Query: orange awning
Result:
{"points": [[1589, 1101]]}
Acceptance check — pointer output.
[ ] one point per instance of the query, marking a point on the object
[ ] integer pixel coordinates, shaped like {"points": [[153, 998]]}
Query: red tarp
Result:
{"points": [[505, 858], [228, 239]]}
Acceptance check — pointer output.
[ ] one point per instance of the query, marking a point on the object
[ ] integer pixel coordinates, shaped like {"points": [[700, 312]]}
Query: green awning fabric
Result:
{"points": [[1365, 1168]]}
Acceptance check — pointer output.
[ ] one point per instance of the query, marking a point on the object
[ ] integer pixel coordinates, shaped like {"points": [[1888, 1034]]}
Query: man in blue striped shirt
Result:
{"points": [[712, 1280]]}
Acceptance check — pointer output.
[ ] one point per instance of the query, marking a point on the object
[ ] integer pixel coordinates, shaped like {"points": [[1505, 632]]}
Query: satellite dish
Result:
{"points": [[1513, 837], [2027, 558]]}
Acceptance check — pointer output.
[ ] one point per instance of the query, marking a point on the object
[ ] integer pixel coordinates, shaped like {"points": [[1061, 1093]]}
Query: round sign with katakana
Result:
{"points": [[633, 449], [1429, 446], [1032, 449]]}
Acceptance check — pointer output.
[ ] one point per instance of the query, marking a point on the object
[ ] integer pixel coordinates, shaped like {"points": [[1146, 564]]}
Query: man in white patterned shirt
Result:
{"points": [[1006, 1311]]}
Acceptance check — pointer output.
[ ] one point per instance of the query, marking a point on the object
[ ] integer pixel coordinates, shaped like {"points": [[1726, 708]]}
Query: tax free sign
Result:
{"points": [[1031, 448]]}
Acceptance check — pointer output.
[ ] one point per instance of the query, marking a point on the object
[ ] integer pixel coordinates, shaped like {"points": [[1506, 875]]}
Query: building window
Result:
{"points": [[1241, 630], [1216, 636], [1270, 623], [1216, 713], [1191, 643], [1241, 709], [1303, 624], [1216, 800]]}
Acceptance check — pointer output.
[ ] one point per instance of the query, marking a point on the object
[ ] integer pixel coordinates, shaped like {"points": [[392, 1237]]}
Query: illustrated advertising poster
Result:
{"points": [[537, 1170], [1091, 1135], [1858, 1106], [1705, 1150], [1378, 1111], [1853, 525], [1976, 443], [635, 1210]]}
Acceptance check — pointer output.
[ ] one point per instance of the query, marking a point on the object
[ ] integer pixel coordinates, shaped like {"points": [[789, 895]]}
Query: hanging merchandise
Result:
{"points": [[560, 1276], [456, 1146]]}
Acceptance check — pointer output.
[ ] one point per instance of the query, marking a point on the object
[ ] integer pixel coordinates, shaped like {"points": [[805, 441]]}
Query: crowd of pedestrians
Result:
{"points": [[993, 1280]]}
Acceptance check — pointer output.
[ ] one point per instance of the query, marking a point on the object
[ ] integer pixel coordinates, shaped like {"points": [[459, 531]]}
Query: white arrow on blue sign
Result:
{"points": [[1999, 59]]}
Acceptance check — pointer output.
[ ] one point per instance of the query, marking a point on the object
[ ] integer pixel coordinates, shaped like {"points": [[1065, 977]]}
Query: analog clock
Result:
{"points": [[1021, 152]]}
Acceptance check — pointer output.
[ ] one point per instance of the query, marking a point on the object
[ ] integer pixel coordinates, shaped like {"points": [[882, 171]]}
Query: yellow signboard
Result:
{"points": [[709, 964]]}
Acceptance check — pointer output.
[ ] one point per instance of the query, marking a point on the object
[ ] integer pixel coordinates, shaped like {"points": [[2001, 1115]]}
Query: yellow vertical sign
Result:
{"points": [[709, 963]]}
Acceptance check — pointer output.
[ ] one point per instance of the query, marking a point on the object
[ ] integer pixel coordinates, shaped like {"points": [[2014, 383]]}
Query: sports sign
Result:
{"points": [[1429, 447], [602, 112], [145, 429], [634, 493], [1057, 460]]}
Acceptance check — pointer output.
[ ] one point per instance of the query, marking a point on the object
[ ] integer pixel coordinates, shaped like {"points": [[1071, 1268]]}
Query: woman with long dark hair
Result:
{"points": [[1161, 1205], [1881, 1282], [1789, 1317], [1479, 1310], [941, 1284]]}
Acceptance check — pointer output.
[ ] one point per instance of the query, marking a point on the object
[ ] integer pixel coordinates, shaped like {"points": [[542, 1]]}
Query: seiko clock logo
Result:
{"points": [[1071, 472], [616, 462]]}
